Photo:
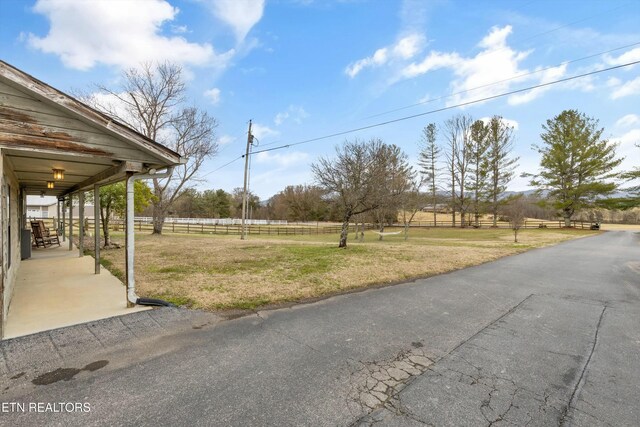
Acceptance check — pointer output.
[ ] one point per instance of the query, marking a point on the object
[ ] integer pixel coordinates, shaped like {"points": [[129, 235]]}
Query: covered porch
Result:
{"points": [[57, 288], [53, 145]]}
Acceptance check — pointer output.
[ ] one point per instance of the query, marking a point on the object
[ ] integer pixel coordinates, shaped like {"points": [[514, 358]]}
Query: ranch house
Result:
{"points": [[53, 145]]}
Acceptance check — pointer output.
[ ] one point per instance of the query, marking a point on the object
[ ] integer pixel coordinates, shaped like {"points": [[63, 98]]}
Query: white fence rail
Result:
{"points": [[213, 221]]}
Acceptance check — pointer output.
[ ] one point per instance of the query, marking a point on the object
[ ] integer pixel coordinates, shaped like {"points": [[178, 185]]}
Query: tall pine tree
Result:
{"points": [[478, 166], [428, 162], [501, 165], [577, 165]]}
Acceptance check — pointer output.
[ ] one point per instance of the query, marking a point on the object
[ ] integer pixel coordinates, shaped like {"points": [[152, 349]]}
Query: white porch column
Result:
{"points": [[96, 222], [64, 219], [130, 243], [70, 222], [81, 226], [58, 217]]}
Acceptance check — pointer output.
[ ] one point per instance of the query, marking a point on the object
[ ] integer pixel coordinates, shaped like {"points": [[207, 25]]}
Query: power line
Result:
{"points": [[446, 108], [517, 76], [223, 166], [426, 113]]}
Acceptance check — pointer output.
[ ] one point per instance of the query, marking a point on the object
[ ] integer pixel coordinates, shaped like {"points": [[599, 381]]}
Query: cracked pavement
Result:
{"points": [[549, 337]]}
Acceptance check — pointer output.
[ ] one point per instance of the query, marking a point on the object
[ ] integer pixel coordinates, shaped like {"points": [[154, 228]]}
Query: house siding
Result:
{"points": [[10, 220]]}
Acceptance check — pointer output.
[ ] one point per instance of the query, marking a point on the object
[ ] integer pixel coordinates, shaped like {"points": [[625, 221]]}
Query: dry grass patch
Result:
{"points": [[619, 227], [224, 272]]}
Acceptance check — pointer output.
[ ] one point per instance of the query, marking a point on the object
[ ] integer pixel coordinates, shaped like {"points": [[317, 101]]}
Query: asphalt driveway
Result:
{"points": [[549, 337]]}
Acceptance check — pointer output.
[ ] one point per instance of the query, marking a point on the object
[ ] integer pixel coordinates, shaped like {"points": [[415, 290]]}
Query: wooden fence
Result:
{"points": [[581, 225], [275, 230], [300, 229]]}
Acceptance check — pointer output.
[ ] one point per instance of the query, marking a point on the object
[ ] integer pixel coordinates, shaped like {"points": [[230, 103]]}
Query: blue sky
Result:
{"points": [[306, 69]]}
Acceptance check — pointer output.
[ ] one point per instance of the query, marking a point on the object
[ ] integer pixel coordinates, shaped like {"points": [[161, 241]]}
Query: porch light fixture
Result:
{"points": [[58, 174], [50, 184]]}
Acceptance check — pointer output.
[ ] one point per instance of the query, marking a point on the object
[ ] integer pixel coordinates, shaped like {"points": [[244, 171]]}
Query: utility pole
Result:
{"points": [[246, 175]]}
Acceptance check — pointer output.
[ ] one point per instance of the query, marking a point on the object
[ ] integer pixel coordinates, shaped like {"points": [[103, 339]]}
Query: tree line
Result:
{"points": [[468, 159], [463, 163], [472, 162]]}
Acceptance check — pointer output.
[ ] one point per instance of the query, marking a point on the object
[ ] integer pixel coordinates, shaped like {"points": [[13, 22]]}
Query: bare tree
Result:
{"points": [[478, 166], [500, 163], [458, 134], [357, 178], [428, 161], [515, 210], [149, 101], [395, 182], [412, 201], [452, 136], [194, 138]]}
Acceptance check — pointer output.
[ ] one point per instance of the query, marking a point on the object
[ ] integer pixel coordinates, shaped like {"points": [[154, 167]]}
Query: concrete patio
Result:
{"points": [[57, 288]]}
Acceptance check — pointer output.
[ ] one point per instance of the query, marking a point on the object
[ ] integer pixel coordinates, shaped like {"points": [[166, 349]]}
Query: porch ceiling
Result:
{"points": [[34, 169], [42, 129]]}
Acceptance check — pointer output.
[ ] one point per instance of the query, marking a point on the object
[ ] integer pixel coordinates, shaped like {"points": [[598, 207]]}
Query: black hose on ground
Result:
{"points": [[154, 302]]}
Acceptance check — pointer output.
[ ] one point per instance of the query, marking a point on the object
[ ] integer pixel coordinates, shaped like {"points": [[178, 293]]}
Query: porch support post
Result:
{"points": [[130, 243], [96, 222], [70, 222], [64, 219], [58, 218], [81, 226]]}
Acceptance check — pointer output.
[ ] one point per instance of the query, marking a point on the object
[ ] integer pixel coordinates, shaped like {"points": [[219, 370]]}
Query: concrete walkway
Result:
{"points": [[56, 288]]}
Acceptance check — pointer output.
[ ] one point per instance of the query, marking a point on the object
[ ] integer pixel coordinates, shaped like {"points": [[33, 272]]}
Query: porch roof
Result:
{"points": [[42, 128]]}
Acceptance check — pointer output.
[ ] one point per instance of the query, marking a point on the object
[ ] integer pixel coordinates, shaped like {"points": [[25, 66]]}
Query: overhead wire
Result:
{"points": [[517, 76], [453, 106], [462, 104], [464, 91]]}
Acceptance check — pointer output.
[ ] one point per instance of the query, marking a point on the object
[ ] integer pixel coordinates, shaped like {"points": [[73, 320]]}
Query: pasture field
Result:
{"points": [[214, 272]]}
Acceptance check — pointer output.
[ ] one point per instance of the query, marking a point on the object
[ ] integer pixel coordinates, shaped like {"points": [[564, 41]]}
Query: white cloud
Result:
{"points": [[547, 76], [282, 160], [226, 139], [213, 95], [85, 33], [628, 121], [179, 29], [408, 47], [294, 112], [281, 117], [628, 139], [497, 38], [613, 82], [240, 15], [405, 48], [631, 87], [492, 71], [433, 61], [509, 122], [629, 56], [262, 132], [627, 148]]}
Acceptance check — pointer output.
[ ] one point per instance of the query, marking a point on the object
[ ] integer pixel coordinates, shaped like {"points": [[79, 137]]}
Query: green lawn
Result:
{"points": [[217, 272]]}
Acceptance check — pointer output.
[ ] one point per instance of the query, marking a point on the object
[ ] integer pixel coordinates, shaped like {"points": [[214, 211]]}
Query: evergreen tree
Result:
{"points": [[577, 164], [428, 162], [501, 165], [478, 165]]}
